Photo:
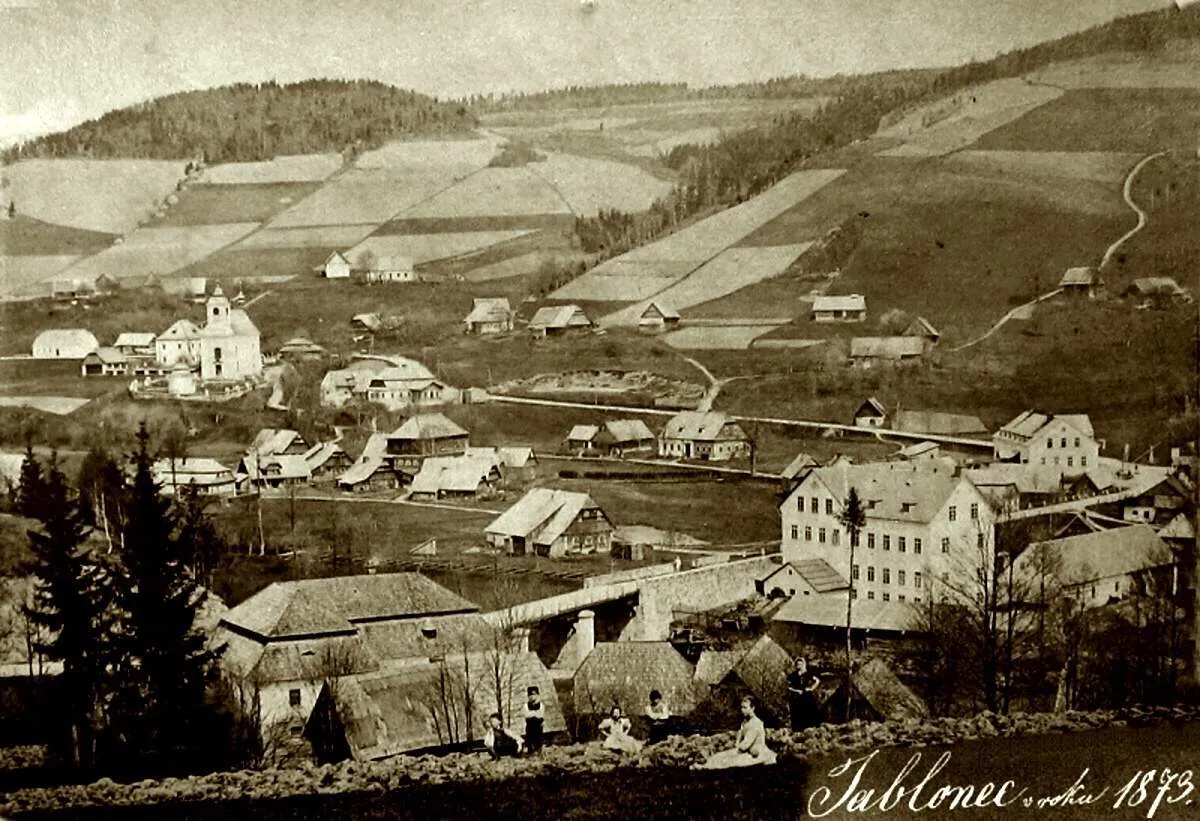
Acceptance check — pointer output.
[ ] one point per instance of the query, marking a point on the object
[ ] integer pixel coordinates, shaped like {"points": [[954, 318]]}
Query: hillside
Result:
{"points": [[242, 123]]}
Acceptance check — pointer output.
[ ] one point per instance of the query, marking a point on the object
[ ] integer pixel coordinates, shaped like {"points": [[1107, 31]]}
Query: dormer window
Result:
{"points": [[907, 507]]}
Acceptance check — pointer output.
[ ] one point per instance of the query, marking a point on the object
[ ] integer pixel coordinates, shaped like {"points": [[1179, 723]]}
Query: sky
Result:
{"points": [[70, 60]]}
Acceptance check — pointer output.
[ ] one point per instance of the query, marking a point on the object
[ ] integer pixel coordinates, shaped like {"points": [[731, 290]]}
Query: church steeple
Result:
{"points": [[217, 310]]}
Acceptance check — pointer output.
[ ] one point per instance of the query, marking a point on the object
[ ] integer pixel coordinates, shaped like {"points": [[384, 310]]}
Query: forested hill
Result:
{"points": [[247, 122]]}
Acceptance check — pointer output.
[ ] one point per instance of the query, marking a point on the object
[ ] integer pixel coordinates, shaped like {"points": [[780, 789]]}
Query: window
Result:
{"points": [[854, 572], [294, 698], [829, 507], [870, 573], [800, 504], [813, 506], [821, 535], [853, 593], [900, 577], [1063, 443], [871, 541], [870, 595], [1076, 441], [917, 545], [1056, 460], [900, 597], [836, 536], [917, 579], [807, 533], [1083, 461], [953, 513], [887, 575], [1043, 460], [945, 545], [887, 596], [979, 540], [917, 599], [795, 532], [974, 510], [1049, 444], [901, 545], [887, 542], [854, 538], [1070, 461]]}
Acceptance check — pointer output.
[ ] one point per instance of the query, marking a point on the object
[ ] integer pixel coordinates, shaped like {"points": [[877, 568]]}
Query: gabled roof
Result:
{"points": [[623, 672], [489, 309], [460, 474], [322, 452], [892, 491], [427, 426], [270, 441], [1023, 477], [290, 466], [798, 465], [516, 456], [583, 433], [710, 426], [922, 327], [239, 325], [331, 606], [134, 339], [714, 665], [560, 316], [108, 356], [367, 466], [889, 697], [370, 321], [180, 330], [1079, 276], [1103, 554], [659, 309], [1029, 423], [841, 302], [301, 344], [872, 406], [335, 255], [190, 469], [67, 338], [542, 514], [886, 347], [918, 449], [943, 424], [1180, 527], [619, 431], [1156, 285], [763, 668], [820, 575]]}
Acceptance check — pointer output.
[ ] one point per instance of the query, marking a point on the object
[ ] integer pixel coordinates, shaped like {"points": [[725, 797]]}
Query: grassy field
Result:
{"points": [[294, 169], [493, 222], [251, 263], [1103, 119], [251, 202], [26, 236]]}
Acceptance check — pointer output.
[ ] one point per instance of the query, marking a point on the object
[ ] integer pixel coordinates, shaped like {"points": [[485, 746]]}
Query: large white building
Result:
{"points": [[225, 348], [1053, 446], [925, 524]]}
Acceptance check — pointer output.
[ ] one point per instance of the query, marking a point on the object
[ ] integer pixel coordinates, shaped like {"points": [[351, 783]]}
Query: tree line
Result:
{"points": [[249, 122], [117, 572]]}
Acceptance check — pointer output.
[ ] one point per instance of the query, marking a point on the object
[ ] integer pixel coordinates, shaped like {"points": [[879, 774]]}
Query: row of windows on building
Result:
{"points": [[834, 536], [1070, 461], [1050, 443], [885, 596], [814, 505], [885, 574]]}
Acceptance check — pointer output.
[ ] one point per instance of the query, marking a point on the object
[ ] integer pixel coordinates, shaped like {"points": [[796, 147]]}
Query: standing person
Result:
{"points": [[499, 741], [614, 733], [535, 720], [658, 717], [750, 747], [802, 695]]}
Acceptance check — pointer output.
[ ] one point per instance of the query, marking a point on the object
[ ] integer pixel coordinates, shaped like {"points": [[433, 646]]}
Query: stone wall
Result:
{"points": [[693, 591]]}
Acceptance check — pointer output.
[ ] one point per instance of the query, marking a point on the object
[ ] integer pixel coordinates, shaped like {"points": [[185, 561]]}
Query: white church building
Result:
{"points": [[225, 348]]}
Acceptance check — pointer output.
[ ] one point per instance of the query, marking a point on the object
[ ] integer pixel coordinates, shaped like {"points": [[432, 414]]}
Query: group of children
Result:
{"points": [[750, 746]]}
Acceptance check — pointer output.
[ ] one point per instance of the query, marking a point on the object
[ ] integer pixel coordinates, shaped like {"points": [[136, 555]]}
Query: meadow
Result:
{"points": [[245, 202]]}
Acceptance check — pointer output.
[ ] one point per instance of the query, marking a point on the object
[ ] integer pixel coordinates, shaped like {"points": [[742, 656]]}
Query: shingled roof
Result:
{"points": [[1103, 554], [894, 491], [624, 673], [427, 426], [702, 426], [542, 514]]}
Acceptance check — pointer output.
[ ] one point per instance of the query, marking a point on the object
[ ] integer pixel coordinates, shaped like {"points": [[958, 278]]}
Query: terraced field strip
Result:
{"points": [[362, 196], [949, 125], [314, 236], [294, 168], [245, 202], [493, 192], [160, 251], [26, 276], [429, 247], [453, 156], [1123, 71], [688, 249], [717, 338], [112, 196], [588, 185], [729, 271]]}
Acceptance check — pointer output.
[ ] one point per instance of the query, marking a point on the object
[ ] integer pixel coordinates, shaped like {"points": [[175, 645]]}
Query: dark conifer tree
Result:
{"points": [[31, 489]]}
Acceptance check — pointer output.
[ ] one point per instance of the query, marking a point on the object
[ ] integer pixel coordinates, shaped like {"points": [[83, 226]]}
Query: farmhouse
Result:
{"points": [[207, 476], [1157, 291], [70, 343], [489, 315], [1082, 282], [846, 308], [105, 362], [708, 435], [1054, 445], [517, 463], [924, 523], [422, 436], [301, 349], [396, 382], [277, 442], [274, 471], [134, 343], [69, 290], [658, 317], [456, 477], [398, 710], [178, 344], [1101, 567], [808, 577], [326, 460], [336, 266], [870, 414], [370, 322], [553, 523], [289, 637], [922, 328], [614, 438], [869, 350], [387, 269], [938, 423], [621, 673], [555, 321], [370, 473]]}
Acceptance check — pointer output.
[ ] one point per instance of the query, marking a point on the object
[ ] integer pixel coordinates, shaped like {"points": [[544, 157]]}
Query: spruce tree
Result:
{"points": [[72, 607], [31, 489], [169, 665]]}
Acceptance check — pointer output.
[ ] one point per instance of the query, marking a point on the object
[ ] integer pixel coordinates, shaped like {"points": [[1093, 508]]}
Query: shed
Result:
{"points": [[870, 414], [922, 328], [658, 317], [557, 320], [105, 362], [336, 266], [489, 315], [65, 343], [865, 350], [1085, 282], [842, 308]]}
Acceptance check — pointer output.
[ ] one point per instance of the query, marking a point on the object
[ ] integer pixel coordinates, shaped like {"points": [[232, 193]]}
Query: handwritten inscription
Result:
{"points": [[919, 788]]}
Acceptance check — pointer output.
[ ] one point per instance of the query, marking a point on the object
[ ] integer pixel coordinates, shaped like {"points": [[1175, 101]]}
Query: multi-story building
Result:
{"points": [[1056, 446], [925, 523]]}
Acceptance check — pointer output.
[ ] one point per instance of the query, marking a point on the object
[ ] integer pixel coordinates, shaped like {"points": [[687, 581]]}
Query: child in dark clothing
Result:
{"points": [[498, 740], [535, 720]]}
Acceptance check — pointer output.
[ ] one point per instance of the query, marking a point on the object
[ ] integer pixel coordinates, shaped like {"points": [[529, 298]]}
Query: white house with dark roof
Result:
{"points": [[64, 343], [135, 343], [178, 344], [924, 523], [335, 266], [708, 435], [1053, 445], [840, 308], [552, 523]]}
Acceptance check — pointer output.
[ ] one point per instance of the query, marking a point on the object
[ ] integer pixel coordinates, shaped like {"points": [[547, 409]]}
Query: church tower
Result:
{"points": [[217, 312]]}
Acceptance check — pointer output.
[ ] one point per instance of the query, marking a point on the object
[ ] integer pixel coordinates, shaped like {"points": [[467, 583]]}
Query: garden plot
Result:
{"points": [[112, 196], [421, 248], [948, 125], [461, 156], [731, 270], [316, 236], [358, 197], [721, 338], [496, 192], [25, 275], [296, 168], [589, 185], [161, 251]]}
